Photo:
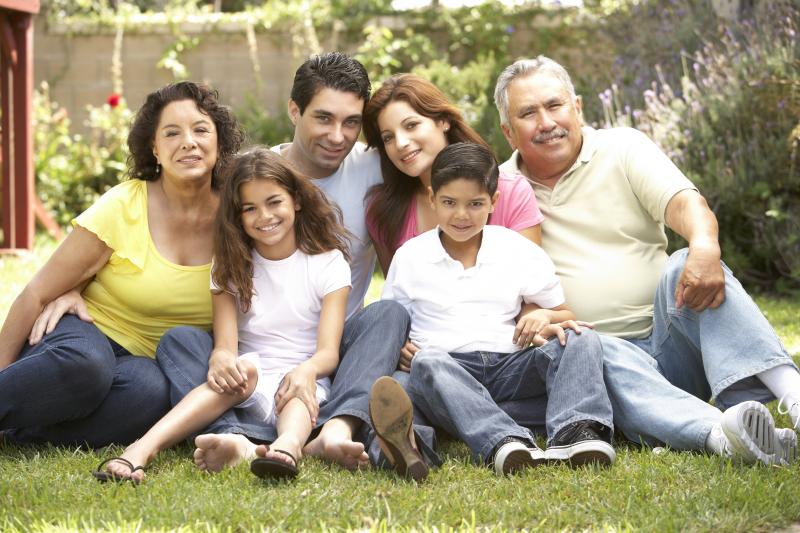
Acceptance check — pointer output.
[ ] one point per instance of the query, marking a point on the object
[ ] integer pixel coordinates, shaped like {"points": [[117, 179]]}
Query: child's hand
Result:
{"points": [[559, 330], [300, 383], [224, 374], [407, 353], [529, 326]]}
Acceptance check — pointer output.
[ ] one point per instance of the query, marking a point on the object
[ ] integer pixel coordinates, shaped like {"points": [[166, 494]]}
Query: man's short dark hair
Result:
{"points": [[467, 161], [333, 70]]}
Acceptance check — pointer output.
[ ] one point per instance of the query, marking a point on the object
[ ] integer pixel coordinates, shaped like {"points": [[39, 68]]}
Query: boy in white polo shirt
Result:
{"points": [[464, 285]]}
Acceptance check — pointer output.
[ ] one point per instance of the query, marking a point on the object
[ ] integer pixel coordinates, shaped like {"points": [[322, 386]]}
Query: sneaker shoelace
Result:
{"points": [[793, 409]]}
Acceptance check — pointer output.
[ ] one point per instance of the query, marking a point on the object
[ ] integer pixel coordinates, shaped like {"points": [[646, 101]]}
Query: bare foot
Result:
{"points": [[215, 452], [335, 444], [137, 457]]}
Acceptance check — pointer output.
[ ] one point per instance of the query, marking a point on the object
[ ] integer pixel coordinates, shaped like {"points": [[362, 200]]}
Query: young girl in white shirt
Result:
{"points": [[279, 285]]}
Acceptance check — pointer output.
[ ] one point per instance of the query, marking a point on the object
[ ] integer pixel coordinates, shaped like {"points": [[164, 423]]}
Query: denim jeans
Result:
{"points": [[77, 386], [459, 391], [660, 385], [370, 348]]}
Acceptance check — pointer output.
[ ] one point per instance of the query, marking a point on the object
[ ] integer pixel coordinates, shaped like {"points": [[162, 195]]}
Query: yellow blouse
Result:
{"points": [[138, 295]]}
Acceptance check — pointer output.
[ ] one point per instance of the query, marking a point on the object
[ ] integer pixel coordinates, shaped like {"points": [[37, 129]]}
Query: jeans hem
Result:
{"points": [[767, 365], [361, 415], [703, 437], [577, 418], [486, 451]]}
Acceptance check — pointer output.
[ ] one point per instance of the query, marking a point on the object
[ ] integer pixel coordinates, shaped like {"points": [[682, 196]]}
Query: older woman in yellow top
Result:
{"points": [[141, 256]]}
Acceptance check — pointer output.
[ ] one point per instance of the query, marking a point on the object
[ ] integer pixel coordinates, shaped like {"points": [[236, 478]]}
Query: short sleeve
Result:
{"points": [[542, 287], [119, 219], [653, 177], [516, 207], [333, 273]]}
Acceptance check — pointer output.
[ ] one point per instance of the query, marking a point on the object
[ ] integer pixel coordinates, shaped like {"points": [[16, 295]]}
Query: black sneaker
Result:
{"points": [[512, 455], [580, 443]]}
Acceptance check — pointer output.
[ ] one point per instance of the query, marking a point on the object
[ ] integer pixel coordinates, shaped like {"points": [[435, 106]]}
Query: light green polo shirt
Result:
{"points": [[604, 227]]}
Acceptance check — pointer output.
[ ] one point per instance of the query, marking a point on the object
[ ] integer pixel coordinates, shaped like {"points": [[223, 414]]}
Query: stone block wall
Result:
{"points": [[78, 67]]}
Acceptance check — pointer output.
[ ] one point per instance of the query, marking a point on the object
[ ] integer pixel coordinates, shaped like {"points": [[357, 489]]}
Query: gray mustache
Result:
{"points": [[544, 137]]}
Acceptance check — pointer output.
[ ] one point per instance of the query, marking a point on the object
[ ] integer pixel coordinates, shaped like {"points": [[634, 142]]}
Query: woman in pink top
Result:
{"points": [[410, 121]]}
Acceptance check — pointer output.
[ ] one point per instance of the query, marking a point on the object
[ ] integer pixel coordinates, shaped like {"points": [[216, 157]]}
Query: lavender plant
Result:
{"points": [[733, 126]]}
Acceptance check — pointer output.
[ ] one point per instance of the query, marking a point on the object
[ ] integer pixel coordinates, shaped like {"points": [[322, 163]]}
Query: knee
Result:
{"points": [[428, 364], [251, 374], [85, 360], [182, 342], [390, 313], [674, 266], [587, 339]]}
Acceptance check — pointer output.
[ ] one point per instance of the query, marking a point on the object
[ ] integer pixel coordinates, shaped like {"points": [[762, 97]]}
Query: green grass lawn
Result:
{"points": [[51, 488]]}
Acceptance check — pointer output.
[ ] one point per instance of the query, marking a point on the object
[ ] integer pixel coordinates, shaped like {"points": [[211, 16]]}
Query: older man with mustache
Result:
{"points": [[681, 329]]}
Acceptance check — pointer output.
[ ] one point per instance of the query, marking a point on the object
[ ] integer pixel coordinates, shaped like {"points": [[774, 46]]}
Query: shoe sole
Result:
{"points": [[517, 459], [392, 414], [751, 432], [582, 453]]}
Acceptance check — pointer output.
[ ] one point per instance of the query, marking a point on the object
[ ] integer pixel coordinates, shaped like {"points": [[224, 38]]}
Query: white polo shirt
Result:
{"points": [[464, 310]]}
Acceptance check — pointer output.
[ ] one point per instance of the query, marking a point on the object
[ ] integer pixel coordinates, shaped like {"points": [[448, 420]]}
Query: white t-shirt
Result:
{"points": [[347, 187], [281, 324], [464, 310]]}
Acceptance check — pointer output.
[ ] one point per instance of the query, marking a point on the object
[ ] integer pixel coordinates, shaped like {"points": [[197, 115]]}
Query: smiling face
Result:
{"points": [[462, 209], [544, 125], [326, 132], [185, 142], [268, 213], [412, 141]]}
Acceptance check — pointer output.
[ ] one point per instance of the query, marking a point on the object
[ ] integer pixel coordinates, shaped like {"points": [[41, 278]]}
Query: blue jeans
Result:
{"points": [[459, 392], [370, 348], [77, 386], [660, 386]]}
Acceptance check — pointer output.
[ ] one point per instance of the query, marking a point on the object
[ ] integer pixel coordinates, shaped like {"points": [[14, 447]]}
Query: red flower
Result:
{"points": [[113, 100]]}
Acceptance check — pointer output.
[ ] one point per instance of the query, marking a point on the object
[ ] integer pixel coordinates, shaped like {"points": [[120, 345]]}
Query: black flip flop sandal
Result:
{"points": [[267, 468], [103, 476]]}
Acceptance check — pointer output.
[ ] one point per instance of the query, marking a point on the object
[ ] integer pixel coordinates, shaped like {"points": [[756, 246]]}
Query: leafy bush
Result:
{"points": [[261, 127], [72, 171], [733, 128]]}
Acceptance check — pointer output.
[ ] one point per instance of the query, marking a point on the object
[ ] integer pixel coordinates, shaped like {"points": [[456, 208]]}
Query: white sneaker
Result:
{"points": [[513, 455], [788, 404], [787, 439], [751, 432]]}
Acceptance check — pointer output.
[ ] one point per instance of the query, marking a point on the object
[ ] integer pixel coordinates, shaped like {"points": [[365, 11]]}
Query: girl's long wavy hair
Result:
{"points": [[390, 200], [318, 224]]}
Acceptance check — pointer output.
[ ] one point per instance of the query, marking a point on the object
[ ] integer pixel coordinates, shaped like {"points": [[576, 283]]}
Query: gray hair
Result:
{"points": [[527, 67]]}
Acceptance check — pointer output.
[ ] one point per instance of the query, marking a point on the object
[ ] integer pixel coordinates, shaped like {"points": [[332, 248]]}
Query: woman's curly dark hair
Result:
{"points": [[230, 136]]}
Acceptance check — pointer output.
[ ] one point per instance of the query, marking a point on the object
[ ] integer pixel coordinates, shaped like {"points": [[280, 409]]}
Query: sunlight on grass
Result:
{"points": [[51, 489]]}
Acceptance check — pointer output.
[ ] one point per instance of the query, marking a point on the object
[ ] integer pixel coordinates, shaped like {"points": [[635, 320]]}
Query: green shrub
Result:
{"points": [[733, 129], [261, 127], [72, 170]]}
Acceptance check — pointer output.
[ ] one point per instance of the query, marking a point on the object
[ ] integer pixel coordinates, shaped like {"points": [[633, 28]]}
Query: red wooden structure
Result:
{"points": [[16, 93]]}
